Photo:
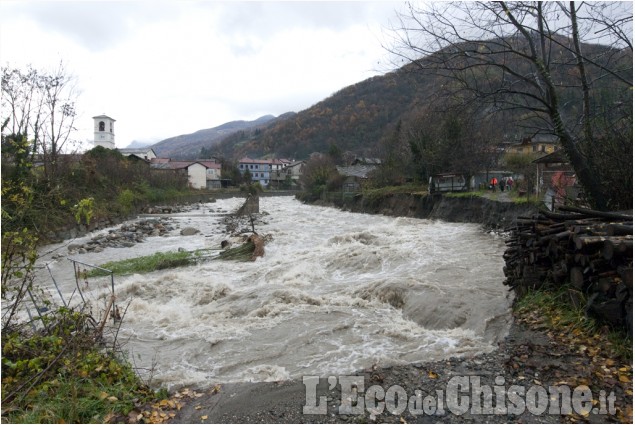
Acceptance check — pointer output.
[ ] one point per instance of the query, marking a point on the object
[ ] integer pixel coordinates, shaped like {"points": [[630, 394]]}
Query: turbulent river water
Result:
{"points": [[335, 292]]}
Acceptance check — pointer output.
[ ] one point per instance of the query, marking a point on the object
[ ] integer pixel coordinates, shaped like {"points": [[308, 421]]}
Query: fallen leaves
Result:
{"points": [[577, 356], [161, 411], [215, 389]]}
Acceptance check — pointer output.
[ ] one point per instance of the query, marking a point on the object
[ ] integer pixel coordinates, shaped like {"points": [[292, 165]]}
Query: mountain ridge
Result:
{"points": [[361, 117], [188, 146]]}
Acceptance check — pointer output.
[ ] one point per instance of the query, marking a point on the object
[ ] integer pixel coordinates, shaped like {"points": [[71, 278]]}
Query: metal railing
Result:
{"points": [[79, 273]]}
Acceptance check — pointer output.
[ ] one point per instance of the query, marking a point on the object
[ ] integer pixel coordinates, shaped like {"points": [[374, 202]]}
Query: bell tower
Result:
{"points": [[104, 131]]}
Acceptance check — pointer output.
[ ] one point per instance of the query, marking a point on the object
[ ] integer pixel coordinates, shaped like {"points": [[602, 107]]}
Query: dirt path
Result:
{"points": [[528, 358], [499, 196]]}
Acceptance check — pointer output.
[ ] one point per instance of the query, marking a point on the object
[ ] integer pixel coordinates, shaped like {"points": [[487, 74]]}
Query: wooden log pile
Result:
{"points": [[589, 251]]}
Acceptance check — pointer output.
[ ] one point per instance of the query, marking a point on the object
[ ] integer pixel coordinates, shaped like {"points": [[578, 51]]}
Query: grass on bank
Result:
{"points": [[473, 194], [551, 308], [150, 263], [411, 188], [513, 196]]}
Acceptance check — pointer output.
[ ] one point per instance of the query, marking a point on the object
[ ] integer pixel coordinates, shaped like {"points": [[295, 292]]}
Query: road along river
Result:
{"points": [[335, 292]]}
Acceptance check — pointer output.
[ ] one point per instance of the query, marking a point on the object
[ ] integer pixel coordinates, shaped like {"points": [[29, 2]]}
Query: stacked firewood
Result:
{"points": [[589, 251]]}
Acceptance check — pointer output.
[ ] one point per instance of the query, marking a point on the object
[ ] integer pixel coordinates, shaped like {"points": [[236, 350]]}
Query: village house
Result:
{"points": [[355, 176], [360, 160], [261, 170], [214, 176], [146, 154], [539, 143], [201, 174], [289, 175]]}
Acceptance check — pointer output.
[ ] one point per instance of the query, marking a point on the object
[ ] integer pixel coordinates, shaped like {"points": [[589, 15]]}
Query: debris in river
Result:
{"points": [[253, 247], [251, 206]]}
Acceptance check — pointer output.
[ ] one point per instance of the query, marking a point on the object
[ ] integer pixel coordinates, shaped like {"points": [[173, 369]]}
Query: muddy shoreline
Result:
{"points": [[526, 357]]}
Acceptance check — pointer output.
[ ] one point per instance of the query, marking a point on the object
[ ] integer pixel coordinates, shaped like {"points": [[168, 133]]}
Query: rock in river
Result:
{"points": [[189, 231]]}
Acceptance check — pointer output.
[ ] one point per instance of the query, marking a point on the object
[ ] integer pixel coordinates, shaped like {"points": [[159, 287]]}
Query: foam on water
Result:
{"points": [[334, 293]]}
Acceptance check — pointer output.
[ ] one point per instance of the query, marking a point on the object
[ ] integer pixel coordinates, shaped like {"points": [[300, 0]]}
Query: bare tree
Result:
{"points": [[18, 92], [59, 95], [541, 59], [40, 106]]}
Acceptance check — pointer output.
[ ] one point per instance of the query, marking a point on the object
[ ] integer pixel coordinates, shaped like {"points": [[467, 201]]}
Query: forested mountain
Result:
{"points": [[360, 117], [188, 146], [355, 118]]}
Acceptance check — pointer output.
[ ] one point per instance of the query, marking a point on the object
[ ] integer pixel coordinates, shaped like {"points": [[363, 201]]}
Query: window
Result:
{"points": [[102, 126]]}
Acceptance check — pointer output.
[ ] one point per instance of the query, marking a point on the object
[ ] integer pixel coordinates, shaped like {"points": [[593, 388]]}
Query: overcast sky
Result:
{"points": [[164, 68]]}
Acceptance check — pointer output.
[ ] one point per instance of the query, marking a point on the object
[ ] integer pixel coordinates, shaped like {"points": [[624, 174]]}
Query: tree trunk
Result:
{"points": [[579, 162]]}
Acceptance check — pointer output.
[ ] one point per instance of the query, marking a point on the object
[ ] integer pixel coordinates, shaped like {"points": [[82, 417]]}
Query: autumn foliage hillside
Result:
{"points": [[358, 117]]}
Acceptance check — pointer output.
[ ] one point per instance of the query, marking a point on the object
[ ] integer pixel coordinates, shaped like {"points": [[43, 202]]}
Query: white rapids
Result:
{"points": [[336, 292]]}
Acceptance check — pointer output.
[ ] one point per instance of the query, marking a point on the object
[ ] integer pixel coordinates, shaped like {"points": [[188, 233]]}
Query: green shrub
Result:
{"points": [[63, 375], [125, 200]]}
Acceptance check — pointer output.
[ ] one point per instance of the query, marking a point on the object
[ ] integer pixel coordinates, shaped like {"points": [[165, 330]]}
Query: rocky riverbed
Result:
{"points": [[126, 236]]}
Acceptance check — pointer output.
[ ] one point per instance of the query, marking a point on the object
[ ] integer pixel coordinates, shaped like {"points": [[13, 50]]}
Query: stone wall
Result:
{"points": [[475, 209]]}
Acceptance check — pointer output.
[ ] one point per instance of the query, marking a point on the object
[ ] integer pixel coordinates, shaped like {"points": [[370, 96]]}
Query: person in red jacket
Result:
{"points": [[493, 183]]}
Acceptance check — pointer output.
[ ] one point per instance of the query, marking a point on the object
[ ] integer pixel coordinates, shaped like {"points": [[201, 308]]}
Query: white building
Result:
{"points": [[200, 174], [147, 154], [104, 131]]}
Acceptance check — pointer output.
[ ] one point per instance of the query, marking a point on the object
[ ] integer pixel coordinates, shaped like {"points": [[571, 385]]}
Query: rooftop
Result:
{"points": [[360, 171]]}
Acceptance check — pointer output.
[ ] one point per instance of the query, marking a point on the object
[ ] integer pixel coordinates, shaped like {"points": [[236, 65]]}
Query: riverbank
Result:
{"points": [[529, 358], [499, 213]]}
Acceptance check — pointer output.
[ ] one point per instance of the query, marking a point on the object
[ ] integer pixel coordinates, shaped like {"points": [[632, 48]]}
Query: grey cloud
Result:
{"points": [[96, 25], [266, 18], [262, 20]]}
